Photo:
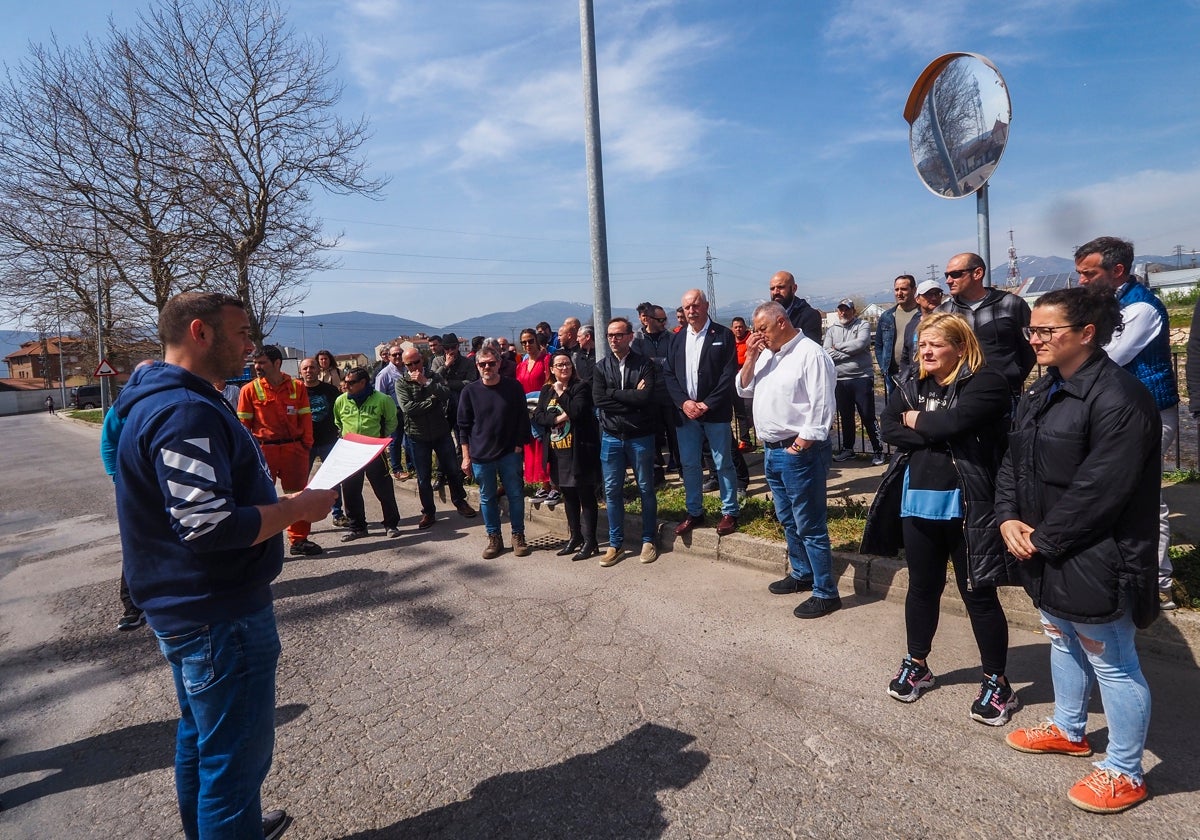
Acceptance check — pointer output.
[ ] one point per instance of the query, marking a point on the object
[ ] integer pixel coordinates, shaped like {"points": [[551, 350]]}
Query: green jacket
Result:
{"points": [[376, 417]]}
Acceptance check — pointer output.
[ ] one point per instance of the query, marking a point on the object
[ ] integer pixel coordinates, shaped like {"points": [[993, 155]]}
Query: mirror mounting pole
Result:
{"points": [[985, 237]]}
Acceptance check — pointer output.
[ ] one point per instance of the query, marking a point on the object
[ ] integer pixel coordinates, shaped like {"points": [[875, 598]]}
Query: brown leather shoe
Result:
{"points": [[688, 524], [495, 546], [465, 510], [727, 525], [426, 521], [520, 547]]}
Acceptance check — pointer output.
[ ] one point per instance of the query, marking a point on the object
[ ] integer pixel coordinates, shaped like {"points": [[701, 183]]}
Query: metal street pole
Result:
{"points": [[983, 219], [601, 306], [303, 343]]}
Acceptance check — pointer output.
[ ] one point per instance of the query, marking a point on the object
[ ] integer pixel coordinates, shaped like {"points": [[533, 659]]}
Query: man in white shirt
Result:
{"points": [[791, 380]]}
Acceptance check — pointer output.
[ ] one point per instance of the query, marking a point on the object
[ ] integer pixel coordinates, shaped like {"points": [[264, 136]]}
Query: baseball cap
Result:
{"points": [[927, 286], [845, 303]]}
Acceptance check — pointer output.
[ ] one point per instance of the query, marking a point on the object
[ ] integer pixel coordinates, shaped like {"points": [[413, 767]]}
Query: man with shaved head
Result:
{"points": [[799, 312]]}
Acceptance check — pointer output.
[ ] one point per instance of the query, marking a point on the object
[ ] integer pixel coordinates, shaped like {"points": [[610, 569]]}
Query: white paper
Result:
{"points": [[348, 456]]}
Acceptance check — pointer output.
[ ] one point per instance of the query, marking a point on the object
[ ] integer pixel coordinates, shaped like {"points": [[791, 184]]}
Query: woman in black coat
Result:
{"points": [[567, 419], [947, 420], [1077, 501]]}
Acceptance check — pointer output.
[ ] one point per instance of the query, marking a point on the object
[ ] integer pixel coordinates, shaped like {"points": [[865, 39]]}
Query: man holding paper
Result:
{"points": [[364, 411]]}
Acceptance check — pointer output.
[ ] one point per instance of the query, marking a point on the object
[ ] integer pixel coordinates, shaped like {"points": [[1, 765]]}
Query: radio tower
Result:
{"points": [[712, 290], [1014, 273]]}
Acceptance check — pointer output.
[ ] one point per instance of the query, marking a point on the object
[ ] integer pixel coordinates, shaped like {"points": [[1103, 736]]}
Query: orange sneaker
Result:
{"points": [[1046, 738], [1104, 792]]}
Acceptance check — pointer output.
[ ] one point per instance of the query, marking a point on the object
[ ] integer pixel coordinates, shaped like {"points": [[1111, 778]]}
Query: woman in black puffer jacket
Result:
{"points": [[1077, 501], [935, 500]]}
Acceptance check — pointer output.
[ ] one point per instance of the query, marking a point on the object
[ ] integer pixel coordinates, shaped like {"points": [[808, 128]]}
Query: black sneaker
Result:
{"points": [[995, 703], [816, 607], [910, 681], [354, 534], [131, 620], [789, 586], [710, 484], [306, 548], [274, 823]]}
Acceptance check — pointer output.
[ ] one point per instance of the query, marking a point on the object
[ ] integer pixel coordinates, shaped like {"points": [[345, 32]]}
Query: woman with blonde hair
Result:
{"points": [[947, 420]]}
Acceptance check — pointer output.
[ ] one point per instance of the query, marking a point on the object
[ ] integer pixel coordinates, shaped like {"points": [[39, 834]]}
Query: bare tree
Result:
{"points": [[259, 100], [178, 155]]}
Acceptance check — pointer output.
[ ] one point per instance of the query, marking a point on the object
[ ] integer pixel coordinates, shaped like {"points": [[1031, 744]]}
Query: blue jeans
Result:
{"points": [[616, 454], [225, 682], [692, 435], [1082, 655], [322, 452], [797, 482], [511, 470]]}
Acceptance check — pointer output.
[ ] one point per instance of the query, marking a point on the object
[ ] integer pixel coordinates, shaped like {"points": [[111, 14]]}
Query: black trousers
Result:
{"points": [[927, 545], [849, 394], [423, 452], [579, 504], [377, 473]]}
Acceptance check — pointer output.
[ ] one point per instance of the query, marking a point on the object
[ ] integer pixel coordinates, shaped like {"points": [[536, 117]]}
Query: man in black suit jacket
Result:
{"points": [[700, 371]]}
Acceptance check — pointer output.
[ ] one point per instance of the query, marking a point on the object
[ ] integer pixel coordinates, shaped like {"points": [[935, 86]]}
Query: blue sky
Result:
{"points": [[769, 131]]}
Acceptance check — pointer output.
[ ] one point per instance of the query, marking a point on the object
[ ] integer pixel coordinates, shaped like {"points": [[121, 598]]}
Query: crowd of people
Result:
{"points": [[1053, 486]]}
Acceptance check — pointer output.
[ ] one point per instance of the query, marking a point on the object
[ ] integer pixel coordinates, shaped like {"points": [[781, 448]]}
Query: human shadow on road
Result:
{"points": [[103, 758], [609, 793]]}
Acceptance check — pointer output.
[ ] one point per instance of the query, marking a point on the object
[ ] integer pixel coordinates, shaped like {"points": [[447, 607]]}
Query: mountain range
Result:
{"points": [[349, 332]]}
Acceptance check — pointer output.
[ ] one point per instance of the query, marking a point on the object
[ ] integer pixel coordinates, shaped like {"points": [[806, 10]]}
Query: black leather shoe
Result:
{"points": [[589, 549], [789, 586], [274, 823], [688, 524], [816, 607], [570, 548]]}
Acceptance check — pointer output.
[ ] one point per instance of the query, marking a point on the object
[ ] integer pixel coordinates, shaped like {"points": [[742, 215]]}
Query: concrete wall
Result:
{"points": [[27, 402]]}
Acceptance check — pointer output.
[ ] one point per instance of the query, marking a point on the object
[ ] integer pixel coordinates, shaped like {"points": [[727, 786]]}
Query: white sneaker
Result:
{"points": [[878, 459]]}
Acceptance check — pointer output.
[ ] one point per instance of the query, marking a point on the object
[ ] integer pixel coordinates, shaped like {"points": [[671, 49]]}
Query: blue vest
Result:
{"points": [[1153, 365]]}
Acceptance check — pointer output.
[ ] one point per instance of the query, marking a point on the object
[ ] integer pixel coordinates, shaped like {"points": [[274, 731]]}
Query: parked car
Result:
{"points": [[88, 396]]}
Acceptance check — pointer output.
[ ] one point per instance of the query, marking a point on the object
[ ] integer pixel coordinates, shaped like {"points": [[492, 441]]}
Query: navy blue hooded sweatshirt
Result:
{"points": [[189, 476]]}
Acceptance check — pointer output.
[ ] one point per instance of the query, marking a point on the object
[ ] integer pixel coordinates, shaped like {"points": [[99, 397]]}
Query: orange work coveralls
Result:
{"points": [[281, 419]]}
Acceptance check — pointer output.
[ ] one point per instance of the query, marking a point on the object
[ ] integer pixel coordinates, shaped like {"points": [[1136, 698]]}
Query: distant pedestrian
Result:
{"points": [[848, 343], [50, 404], [364, 411]]}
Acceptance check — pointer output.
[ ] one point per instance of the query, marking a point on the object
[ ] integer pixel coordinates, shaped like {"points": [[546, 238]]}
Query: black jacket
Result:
{"points": [[576, 402], [804, 318], [1083, 468], [997, 323], [971, 428], [626, 411], [714, 373]]}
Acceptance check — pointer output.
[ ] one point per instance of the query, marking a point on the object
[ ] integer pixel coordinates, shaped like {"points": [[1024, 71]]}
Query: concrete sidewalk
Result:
{"points": [[1175, 635]]}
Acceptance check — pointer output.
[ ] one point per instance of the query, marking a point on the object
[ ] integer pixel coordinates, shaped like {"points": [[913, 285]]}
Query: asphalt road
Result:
{"points": [[426, 693]]}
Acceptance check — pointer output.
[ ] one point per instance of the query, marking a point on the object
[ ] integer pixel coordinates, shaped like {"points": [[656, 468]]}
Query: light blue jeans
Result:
{"points": [[225, 683], [797, 482], [1082, 655], [511, 470], [638, 453], [691, 436]]}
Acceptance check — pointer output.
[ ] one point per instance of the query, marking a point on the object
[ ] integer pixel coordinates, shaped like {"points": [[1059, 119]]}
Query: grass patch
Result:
{"points": [[1181, 476], [88, 415], [1186, 560]]}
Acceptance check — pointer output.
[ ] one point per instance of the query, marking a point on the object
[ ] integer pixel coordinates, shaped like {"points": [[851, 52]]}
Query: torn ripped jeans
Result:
{"points": [[1083, 655]]}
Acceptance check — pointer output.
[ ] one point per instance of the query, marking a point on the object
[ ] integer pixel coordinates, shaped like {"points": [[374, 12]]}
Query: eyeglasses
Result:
{"points": [[615, 336], [954, 275], [485, 364], [1046, 333], [661, 320], [529, 341], [561, 365], [417, 363], [350, 382], [395, 354]]}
